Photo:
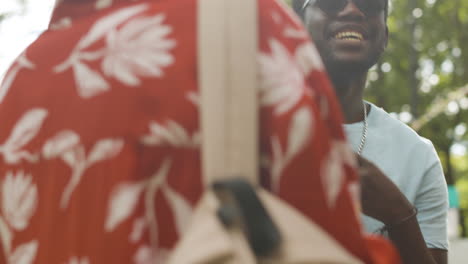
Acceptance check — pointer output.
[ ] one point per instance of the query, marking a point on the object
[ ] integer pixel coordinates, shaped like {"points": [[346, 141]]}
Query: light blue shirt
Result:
{"points": [[411, 162]]}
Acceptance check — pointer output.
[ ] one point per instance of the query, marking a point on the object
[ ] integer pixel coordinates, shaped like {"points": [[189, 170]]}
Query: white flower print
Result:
{"points": [[139, 48], [125, 196], [181, 208], [76, 260], [19, 199], [76, 158], [63, 142], [89, 82], [19, 202], [139, 226], [294, 33], [21, 63], [354, 191], [63, 23], [24, 254], [281, 80], [147, 255], [24, 131], [6, 236], [101, 4], [122, 203], [124, 200], [66, 145], [277, 18], [194, 98], [333, 170], [300, 132], [171, 134], [308, 58], [105, 149]]}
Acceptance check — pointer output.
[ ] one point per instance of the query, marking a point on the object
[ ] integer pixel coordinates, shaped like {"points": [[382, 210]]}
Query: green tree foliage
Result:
{"points": [[424, 73]]}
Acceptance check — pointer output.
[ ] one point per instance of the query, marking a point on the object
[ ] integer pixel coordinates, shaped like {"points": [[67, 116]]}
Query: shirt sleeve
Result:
{"points": [[432, 204]]}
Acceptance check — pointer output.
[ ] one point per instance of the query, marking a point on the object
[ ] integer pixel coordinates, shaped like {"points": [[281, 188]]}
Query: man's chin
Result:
{"points": [[348, 66]]}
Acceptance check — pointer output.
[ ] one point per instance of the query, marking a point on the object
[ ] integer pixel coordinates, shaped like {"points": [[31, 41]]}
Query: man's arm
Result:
{"points": [[439, 255], [409, 241], [382, 200]]}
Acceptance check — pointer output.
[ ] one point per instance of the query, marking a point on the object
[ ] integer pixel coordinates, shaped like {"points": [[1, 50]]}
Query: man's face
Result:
{"points": [[348, 36]]}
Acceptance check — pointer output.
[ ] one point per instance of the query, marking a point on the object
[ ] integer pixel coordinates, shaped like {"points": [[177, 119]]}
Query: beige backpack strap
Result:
{"points": [[227, 43]]}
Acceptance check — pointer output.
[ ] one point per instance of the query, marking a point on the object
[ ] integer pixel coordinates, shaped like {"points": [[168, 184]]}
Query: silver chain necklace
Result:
{"points": [[364, 130]]}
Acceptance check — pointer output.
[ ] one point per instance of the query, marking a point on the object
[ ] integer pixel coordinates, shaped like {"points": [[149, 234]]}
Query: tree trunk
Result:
{"points": [[462, 223], [448, 167], [413, 61]]}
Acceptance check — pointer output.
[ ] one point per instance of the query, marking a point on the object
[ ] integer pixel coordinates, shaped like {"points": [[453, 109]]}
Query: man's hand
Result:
{"points": [[380, 197]]}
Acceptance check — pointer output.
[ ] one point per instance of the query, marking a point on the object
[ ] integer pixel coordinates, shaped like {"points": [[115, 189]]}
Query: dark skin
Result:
{"points": [[348, 62]]}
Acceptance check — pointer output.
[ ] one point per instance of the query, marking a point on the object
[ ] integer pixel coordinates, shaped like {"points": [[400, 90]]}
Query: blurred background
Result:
{"points": [[422, 80]]}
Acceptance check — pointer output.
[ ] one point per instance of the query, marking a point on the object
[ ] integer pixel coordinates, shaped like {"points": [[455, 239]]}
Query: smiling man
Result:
{"points": [[404, 193]]}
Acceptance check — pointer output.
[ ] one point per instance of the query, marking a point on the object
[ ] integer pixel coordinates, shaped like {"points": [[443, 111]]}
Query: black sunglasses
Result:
{"points": [[368, 7]]}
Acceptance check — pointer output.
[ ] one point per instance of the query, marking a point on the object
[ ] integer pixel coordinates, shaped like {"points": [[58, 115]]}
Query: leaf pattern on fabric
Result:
{"points": [[277, 18], [308, 58], [147, 255], [138, 229], [282, 81], [180, 207], [76, 158], [333, 170], [90, 82], [124, 199], [104, 25], [63, 142], [21, 63], [354, 190], [294, 33], [139, 49], [77, 260], [24, 131], [101, 4], [105, 149], [300, 132], [63, 23], [6, 236], [171, 134], [19, 199], [194, 98], [24, 254], [123, 202], [154, 185]]}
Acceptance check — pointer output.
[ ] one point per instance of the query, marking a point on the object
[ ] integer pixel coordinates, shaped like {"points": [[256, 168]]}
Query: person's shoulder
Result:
{"points": [[396, 129]]}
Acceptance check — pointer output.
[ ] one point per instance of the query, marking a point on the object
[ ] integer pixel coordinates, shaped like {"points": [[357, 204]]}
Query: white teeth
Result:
{"points": [[350, 35]]}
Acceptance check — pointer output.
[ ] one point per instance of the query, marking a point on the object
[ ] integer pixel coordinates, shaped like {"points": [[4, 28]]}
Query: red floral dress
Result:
{"points": [[100, 142]]}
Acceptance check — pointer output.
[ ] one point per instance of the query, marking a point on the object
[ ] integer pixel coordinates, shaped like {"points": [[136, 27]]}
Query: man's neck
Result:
{"points": [[349, 89]]}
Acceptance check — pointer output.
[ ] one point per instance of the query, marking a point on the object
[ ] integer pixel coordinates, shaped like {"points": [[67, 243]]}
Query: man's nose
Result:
{"points": [[351, 11]]}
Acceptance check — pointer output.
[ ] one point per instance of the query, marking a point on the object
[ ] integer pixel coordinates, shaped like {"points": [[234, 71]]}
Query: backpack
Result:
{"points": [[236, 221]]}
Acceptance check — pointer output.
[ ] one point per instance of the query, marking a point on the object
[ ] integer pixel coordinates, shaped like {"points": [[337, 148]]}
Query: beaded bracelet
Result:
{"points": [[387, 228]]}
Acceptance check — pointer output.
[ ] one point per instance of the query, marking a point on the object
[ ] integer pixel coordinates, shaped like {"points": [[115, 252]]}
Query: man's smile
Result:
{"points": [[349, 35]]}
